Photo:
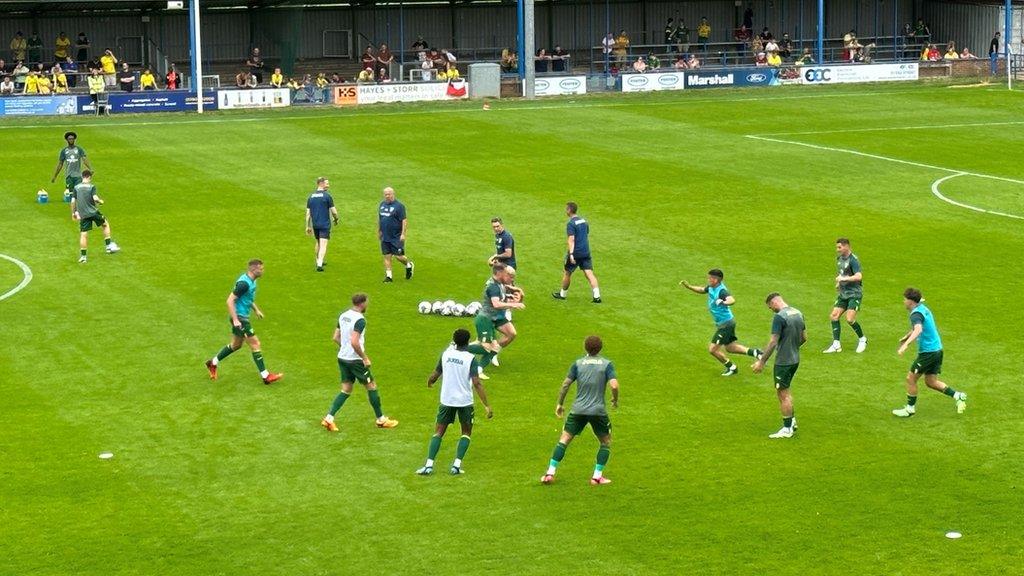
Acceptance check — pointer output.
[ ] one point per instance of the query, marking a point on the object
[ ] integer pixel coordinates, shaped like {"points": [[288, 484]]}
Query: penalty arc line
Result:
{"points": [[935, 185], [27, 277]]}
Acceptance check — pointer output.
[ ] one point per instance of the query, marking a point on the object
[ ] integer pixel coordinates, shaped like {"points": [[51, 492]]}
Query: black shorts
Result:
{"points": [[324, 233], [396, 247], [582, 262]]}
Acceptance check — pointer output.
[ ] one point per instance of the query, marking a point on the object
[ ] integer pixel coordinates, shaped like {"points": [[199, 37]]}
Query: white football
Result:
{"points": [[424, 307], [449, 303], [473, 308], [446, 310], [458, 310], [436, 307]]}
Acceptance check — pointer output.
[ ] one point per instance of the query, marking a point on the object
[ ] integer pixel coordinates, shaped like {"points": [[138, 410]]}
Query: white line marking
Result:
{"points": [[26, 272], [899, 128], [554, 106], [935, 190]]}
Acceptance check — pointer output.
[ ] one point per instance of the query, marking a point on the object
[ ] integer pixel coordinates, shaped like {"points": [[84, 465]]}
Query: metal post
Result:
{"points": [[896, 31], [195, 38], [521, 39], [1007, 38], [821, 32], [401, 34], [800, 26], [607, 29], [529, 37]]}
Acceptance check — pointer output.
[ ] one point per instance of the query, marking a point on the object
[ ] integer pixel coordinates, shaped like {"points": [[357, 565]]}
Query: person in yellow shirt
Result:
{"points": [[43, 85], [32, 83], [366, 75], [96, 85], [147, 81], [108, 63], [621, 47], [18, 46], [951, 53], [276, 79], [61, 47], [774, 59], [60, 81], [704, 33]]}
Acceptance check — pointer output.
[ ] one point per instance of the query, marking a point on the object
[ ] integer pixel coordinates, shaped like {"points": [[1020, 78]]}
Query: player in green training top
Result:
{"points": [[719, 301], [788, 335], [85, 212], [458, 366], [491, 319], [850, 291], [242, 302], [929, 355], [71, 158], [592, 373]]}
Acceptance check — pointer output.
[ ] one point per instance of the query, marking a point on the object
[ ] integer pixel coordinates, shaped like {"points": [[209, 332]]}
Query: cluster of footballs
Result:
{"points": [[449, 308]]}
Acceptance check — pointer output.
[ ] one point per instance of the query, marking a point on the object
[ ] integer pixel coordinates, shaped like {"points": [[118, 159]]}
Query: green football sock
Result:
{"points": [[476, 349], [857, 329], [224, 353], [374, 397], [487, 358], [82, 251], [557, 455], [435, 447], [949, 392], [257, 357], [460, 451], [787, 422], [107, 241], [911, 400], [602, 457], [836, 329], [339, 401]]}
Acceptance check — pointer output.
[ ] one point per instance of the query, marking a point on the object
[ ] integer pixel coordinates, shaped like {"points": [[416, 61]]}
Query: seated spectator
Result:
{"points": [[756, 45], [785, 46], [743, 34], [851, 46], [172, 80], [368, 59], [321, 87], [540, 63], [366, 76], [126, 78], [680, 63], [242, 79], [276, 79], [805, 59], [336, 78], [44, 85], [293, 84], [653, 62], [450, 71], [951, 53], [558, 59], [20, 74], [435, 58], [97, 84], [966, 54], [31, 83], [774, 59], [298, 90], [766, 36], [250, 81], [7, 86], [71, 68], [509, 61], [761, 59], [924, 53], [640, 65], [309, 87], [933, 53], [692, 62], [771, 46], [147, 81], [60, 80]]}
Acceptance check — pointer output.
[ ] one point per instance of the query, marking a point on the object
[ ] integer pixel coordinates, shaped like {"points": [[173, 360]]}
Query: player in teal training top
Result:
{"points": [[788, 335], [849, 293], [929, 355], [71, 158], [592, 373], [85, 212], [241, 303], [719, 301]]}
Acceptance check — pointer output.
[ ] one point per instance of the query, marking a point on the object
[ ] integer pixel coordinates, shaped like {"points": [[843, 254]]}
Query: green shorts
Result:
{"points": [[784, 376], [847, 303], [71, 181], [485, 328], [447, 414], [353, 371], [245, 331], [927, 363], [85, 224], [600, 424], [725, 333]]}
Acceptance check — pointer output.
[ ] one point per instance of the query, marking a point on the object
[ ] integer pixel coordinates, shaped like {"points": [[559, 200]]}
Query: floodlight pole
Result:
{"points": [[195, 38], [1007, 38], [529, 48], [821, 32]]}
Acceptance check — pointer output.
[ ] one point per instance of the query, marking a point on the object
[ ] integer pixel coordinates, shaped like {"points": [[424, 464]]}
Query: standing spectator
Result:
{"points": [[126, 78], [3, 67], [35, 48], [922, 34], [682, 38], [7, 87], [71, 67], [748, 17], [172, 79], [607, 45], [436, 59], [97, 84], [60, 80], [255, 64], [276, 79], [321, 87], [993, 52], [703, 33], [558, 59], [242, 79], [61, 47], [147, 81], [384, 60], [82, 44], [108, 63], [540, 63], [18, 46], [420, 45], [509, 61], [785, 46], [670, 34], [368, 59], [20, 73], [621, 47]]}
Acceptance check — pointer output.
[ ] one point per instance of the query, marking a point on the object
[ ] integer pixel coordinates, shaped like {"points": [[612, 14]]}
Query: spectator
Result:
{"points": [[682, 38], [420, 45], [126, 78], [703, 33], [108, 63], [61, 47], [785, 46], [31, 83], [540, 63], [966, 54], [761, 59], [35, 48], [7, 86], [3, 67], [509, 61], [384, 61], [774, 59], [450, 72], [744, 35], [766, 36], [97, 85], [82, 44], [255, 64], [692, 62], [933, 53], [276, 79], [748, 17], [621, 47], [20, 73], [670, 34], [60, 80], [321, 87], [558, 59], [336, 78], [771, 46], [436, 59], [368, 59], [607, 45], [427, 69], [294, 85], [172, 81], [640, 65], [242, 79], [71, 67], [18, 46], [951, 53], [365, 76], [44, 85], [308, 87], [993, 52], [147, 81], [756, 45], [449, 56], [680, 63], [851, 46], [922, 33], [383, 75], [653, 62]]}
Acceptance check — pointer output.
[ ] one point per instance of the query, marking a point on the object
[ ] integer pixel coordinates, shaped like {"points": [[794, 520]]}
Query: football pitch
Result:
{"points": [[232, 476]]}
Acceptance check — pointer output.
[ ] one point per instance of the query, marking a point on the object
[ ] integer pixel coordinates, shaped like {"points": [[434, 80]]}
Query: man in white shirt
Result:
{"points": [[458, 365], [6, 87], [354, 363]]}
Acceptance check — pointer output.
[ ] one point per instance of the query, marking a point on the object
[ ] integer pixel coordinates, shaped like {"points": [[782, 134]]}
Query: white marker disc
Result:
{"points": [[954, 535], [106, 455]]}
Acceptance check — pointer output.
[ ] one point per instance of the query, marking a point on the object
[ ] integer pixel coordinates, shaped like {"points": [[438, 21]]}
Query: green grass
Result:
{"points": [[231, 476]]}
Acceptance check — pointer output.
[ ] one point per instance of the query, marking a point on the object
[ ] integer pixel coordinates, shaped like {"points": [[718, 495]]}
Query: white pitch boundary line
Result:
{"points": [[935, 185], [27, 277], [553, 106], [899, 128]]}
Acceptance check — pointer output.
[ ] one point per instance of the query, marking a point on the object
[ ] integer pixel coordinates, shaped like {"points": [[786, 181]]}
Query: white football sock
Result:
{"points": [[597, 292], [264, 374]]}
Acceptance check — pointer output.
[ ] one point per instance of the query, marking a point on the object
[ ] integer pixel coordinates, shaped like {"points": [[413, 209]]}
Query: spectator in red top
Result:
{"points": [[933, 53], [369, 58], [384, 60], [172, 79]]}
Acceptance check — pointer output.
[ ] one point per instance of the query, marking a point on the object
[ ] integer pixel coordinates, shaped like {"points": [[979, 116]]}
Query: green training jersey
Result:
{"points": [[72, 157], [591, 374], [848, 267], [493, 289], [85, 203], [788, 325]]}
